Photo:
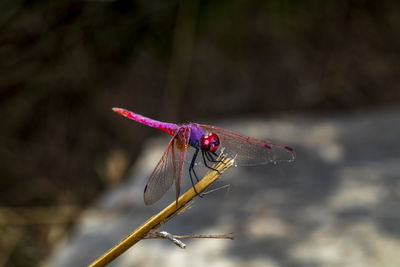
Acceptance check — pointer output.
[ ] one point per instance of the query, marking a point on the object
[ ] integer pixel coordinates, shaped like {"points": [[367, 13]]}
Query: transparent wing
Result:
{"points": [[250, 151], [168, 169]]}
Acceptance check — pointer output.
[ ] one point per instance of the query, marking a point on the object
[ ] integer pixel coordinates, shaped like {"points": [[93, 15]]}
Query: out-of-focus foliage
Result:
{"points": [[65, 63]]}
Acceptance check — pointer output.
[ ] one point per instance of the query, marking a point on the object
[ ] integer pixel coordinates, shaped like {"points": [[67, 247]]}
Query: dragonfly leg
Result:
{"points": [[215, 154], [191, 170], [211, 158], [205, 158]]}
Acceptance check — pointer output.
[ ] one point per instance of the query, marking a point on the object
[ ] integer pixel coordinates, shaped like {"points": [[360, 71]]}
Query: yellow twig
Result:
{"points": [[155, 221]]}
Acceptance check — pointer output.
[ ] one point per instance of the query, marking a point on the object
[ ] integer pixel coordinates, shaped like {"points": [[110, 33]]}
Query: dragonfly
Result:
{"points": [[207, 141]]}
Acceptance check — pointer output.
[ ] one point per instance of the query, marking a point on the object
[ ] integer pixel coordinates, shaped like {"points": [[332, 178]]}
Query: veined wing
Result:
{"points": [[250, 151], [169, 168]]}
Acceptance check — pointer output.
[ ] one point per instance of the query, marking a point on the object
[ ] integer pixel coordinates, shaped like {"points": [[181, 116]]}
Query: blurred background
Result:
{"points": [[64, 64]]}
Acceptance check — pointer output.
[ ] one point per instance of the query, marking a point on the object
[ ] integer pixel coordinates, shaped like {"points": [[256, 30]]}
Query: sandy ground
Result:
{"points": [[336, 205]]}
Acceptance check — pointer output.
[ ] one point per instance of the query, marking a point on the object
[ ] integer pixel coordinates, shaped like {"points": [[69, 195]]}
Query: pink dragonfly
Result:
{"points": [[209, 140]]}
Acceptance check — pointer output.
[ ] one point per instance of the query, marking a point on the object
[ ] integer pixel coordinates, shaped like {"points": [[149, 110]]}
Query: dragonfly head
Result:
{"points": [[210, 142]]}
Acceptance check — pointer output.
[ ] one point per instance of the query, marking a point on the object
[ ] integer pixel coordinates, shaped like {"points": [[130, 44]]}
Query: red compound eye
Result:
{"points": [[210, 142]]}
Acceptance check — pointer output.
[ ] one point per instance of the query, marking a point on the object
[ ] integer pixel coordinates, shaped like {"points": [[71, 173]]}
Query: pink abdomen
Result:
{"points": [[169, 128]]}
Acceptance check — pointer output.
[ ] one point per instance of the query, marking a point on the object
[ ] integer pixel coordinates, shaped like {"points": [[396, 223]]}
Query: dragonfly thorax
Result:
{"points": [[210, 142]]}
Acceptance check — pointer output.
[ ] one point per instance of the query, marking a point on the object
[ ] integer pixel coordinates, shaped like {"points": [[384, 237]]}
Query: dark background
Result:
{"points": [[64, 64]]}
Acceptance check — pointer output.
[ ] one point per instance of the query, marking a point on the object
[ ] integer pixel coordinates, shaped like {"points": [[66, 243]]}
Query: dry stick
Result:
{"points": [[157, 234], [218, 236], [155, 221], [176, 241], [166, 235], [216, 189]]}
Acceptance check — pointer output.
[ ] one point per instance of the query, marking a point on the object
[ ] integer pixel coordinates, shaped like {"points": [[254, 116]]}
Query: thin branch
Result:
{"points": [[166, 214], [216, 189], [166, 235], [156, 234], [176, 241], [216, 236]]}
